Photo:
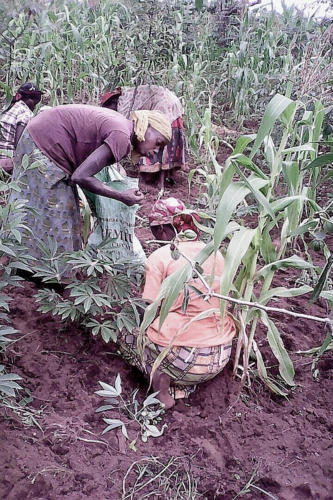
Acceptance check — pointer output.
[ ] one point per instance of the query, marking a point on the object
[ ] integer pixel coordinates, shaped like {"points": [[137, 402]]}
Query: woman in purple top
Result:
{"points": [[68, 145]]}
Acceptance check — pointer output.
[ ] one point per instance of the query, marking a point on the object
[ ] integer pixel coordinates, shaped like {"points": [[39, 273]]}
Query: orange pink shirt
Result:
{"points": [[206, 332]]}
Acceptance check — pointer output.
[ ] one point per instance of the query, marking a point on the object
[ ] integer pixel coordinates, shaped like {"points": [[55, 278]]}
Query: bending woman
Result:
{"points": [[14, 119], [68, 145], [199, 350], [153, 97]]}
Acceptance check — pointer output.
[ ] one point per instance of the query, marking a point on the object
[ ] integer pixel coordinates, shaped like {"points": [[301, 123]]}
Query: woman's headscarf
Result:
{"points": [[28, 89], [156, 119], [173, 211], [109, 95]]}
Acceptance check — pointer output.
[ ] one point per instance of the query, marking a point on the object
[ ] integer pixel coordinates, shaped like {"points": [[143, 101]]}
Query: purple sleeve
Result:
{"points": [[119, 143]]}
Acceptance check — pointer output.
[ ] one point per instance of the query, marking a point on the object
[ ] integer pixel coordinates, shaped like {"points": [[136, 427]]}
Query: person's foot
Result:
{"points": [[161, 383], [170, 181]]}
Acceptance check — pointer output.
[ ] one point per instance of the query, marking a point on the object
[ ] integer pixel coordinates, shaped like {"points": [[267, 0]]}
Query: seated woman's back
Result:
{"points": [[181, 328]]}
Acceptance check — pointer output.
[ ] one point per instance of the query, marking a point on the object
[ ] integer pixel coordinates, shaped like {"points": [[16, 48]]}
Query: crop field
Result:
{"points": [[76, 421]]}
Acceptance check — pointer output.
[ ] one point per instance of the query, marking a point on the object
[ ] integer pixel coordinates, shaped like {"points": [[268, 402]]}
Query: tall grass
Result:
{"points": [[76, 49]]}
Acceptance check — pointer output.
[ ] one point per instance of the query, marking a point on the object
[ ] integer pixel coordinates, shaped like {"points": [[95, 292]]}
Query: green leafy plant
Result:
{"points": [[101, 296], [13, 256], [8, 386], [146, 415], [251, 258]]}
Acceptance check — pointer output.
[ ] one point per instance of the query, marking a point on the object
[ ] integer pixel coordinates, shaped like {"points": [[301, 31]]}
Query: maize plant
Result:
{"points": [[251, 258]]}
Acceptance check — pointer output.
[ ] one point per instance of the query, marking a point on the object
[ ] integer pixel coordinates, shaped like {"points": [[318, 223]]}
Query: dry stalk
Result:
{"points": [[255, 305]]}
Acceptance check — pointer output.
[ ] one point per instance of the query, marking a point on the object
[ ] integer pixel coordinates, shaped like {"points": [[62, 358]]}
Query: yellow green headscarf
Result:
{"points": [[156, 119]]}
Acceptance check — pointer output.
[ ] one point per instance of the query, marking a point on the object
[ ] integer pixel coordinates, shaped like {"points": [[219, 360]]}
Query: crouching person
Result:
{"points": [[198, 351]]}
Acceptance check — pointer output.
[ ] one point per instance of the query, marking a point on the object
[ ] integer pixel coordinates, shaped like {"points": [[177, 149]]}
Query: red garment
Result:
{"points": [[69, 134], [164, 210], [205, 332]]}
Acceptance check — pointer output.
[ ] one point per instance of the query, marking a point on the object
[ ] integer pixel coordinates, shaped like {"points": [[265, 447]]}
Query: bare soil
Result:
{"points": [[223, 434]]}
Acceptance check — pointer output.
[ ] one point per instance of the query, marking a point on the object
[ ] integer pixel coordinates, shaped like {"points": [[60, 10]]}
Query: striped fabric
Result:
{"points": [[186, 366], [19, 114]]}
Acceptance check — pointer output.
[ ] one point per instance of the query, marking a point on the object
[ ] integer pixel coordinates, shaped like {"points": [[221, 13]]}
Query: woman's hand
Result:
{"points": [[7, 165], [131, 197], [84, 177]]}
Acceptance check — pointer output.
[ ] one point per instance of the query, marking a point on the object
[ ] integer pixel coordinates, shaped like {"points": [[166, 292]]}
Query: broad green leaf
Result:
{"points": [[117, 384], [151, 400], [10, 376], [296, 149], [105, 408], [270, 151], [304, 228], [242, 142], [327, 294], [262, 372], [293, 261], [283, 292], [237, 248], [113, 424], [320, 161], [286, 367], [233, 195], [267, 248], [258, 195], [246, 162], [275, 108], [282, 203], [124, 431], [291, 173], [228, 173]]}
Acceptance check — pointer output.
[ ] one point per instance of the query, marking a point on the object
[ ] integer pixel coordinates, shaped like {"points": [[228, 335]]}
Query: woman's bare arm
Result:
{"points": [[19, 130], [84, 177]]}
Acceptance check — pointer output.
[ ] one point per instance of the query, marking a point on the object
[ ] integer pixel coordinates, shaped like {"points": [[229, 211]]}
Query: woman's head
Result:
{"points": [[169, 217], [152, 130], [110, 99], [28, 93]]}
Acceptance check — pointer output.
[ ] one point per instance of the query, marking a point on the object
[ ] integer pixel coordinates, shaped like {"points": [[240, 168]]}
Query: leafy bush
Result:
{"points": [[101, 295], [12, 257]]}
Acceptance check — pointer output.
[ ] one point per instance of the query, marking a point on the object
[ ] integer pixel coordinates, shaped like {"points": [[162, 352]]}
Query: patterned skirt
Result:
{"points": [[186, 366], [53, 213], [172, 156]]}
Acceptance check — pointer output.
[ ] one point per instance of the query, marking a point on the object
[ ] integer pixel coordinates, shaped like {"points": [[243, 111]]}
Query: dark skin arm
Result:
{"points": [[84, 177], [18, 133]]}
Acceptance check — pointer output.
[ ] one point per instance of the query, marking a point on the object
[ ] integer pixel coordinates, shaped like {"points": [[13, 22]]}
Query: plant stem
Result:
{"points": [[256, 305]]}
